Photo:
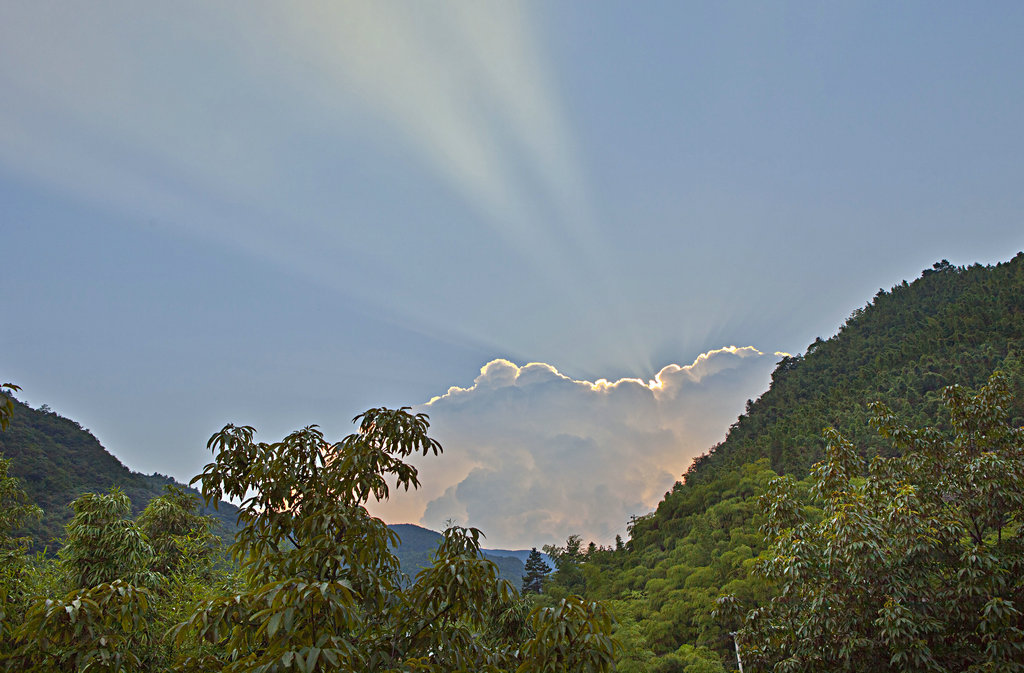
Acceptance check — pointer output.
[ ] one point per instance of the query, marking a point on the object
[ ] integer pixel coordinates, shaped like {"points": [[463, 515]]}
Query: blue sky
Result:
{"points": [[284, 214]]}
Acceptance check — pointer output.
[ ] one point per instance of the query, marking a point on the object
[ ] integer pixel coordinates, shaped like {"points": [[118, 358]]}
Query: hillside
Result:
{"points": [[58, 460], [950, 325]]}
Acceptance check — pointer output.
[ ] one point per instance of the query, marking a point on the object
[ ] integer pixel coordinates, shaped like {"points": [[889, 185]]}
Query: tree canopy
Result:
{"points": [[314, 585], [916, 564]]}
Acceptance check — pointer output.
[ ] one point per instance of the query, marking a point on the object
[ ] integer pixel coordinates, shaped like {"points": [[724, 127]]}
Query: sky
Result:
{"points": [[578, 235]]}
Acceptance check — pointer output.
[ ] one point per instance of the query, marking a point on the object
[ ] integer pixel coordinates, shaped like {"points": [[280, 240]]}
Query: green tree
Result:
{"points": [[568, 574], [190, 568], [572, 637], [102, 544], [15, 510], [536, 571], [102, 628], [6, 404], [103, 621], [916, 566], [114, 597], [321, 590], [177, 534]]}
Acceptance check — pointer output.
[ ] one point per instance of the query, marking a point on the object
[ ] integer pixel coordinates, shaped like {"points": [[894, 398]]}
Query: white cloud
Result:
{"points": [[532, 455]]}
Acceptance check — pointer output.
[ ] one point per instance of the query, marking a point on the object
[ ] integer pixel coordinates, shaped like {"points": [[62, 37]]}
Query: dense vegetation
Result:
{"points": [[57, 460], [311, 583], [917, 566], [951, 325]]}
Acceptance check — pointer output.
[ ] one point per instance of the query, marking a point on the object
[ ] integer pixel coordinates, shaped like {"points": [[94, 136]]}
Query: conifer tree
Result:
{"points": [[536, 571]]}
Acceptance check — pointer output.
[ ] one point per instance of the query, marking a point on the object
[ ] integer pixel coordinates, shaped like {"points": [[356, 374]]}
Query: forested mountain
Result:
{"points": [[951, 325], [417, 544], [58, 460]]}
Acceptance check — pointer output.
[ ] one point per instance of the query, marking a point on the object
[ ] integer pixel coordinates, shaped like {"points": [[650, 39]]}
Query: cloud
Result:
{"points": [[532, 455]]}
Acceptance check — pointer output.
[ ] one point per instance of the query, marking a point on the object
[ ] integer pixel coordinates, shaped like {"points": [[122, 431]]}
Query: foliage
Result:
{"points": [[58, 460], [14, 511], [568, 560], [536, 570], [6, 404], [664, 582], [950, 325], [919, 555], [417, 544], [117, 597], [321, 588], [573, 637], [102, 545], [177, 535], [317, 586], [95, 629], [917, 566], [187, 560]]}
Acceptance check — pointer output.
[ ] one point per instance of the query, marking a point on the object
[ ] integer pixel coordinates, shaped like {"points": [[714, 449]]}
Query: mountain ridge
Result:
{"points": [[58, 460], [417, 544], [951, 325]]}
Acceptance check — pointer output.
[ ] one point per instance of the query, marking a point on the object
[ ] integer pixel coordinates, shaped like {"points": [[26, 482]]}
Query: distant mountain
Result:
{"points": [[521, 554], [417, 543], [59, 460]]}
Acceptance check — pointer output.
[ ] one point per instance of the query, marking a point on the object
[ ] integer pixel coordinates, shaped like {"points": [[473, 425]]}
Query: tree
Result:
{"points": [[178, 535], [572, 637], [15, 510], [102, 545], [568, 559], [536, 571], [6, 404], [116, 596], [102, 622], [100, 628], [321, 590], [919, 565]]}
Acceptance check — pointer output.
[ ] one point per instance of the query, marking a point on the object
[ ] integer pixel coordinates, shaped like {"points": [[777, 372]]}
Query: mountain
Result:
{"points": [[59, 460], [417, 543], [521, 554], [950, 325]]}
